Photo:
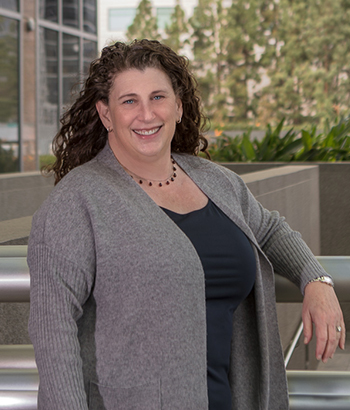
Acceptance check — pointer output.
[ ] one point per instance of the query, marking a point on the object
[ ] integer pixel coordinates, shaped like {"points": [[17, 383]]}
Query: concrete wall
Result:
{"points": [[334, 188], [335, 208], [21, 194], [294, 192]]}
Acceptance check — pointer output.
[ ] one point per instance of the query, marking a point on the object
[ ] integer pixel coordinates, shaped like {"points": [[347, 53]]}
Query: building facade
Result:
{"points": [[45, 49], [114, 17]]}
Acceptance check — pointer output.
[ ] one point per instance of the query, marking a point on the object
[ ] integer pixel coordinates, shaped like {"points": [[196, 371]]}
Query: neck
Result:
{"points": [[148, 167]]}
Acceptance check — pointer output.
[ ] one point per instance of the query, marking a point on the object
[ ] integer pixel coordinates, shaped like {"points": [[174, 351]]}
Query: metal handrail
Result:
{"points": [[14, 277], [17, 357], [19, 389], [317, 390], [14, 280], [11, 251], [308, 390], [293, 343]]}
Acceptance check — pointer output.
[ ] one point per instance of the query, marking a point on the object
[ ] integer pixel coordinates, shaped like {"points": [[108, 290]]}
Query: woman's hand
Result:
{"points": [[321, 307]]}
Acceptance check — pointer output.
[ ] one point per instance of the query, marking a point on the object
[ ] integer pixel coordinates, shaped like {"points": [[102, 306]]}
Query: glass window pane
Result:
{"points": [[9, 105], [48, 10], [90, 53], [9, 157], [121, 19], [12, 5], [70, 66], [163, 16], [70, 13], [48, 90], [90, 16]]}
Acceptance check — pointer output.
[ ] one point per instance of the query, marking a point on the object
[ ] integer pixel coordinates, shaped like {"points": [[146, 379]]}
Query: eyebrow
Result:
{"points": [[127, 96], [132, 95]]}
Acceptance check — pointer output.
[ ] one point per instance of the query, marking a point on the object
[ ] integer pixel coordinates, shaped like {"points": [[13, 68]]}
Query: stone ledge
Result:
{"points": [[15, 231]]}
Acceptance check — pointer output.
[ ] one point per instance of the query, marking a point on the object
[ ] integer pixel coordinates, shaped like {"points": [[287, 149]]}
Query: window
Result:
{"points": [[65, 56], [70, 13], [163, 16], [48, 92], [89, 54], [48, 10], [9, 101], [70, 66], [121, 19], [9, 4], [59, 50], [90, 16]]}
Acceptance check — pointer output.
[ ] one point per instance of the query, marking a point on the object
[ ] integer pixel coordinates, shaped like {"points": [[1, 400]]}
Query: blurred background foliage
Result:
{"points": [[331, 144], [8, 159], [259, 62]]}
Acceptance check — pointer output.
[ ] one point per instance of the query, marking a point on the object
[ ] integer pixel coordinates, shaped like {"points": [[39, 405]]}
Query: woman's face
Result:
{"points": [[142, 113]]}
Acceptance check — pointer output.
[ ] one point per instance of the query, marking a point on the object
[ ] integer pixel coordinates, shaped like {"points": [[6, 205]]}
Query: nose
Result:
{"points": [[146, 112]]}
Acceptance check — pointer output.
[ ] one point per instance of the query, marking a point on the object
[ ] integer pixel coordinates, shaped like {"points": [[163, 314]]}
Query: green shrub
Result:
{"points": [[46, 160], [8, 160], [305, 145]]}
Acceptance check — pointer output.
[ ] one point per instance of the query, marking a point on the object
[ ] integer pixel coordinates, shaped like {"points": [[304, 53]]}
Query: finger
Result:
{"points": [[307, 323], [332, 343], [342, 336], [321, 340]]}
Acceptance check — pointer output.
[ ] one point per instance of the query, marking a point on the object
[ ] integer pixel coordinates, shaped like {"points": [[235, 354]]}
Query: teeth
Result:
{"points": [[144, 132]]}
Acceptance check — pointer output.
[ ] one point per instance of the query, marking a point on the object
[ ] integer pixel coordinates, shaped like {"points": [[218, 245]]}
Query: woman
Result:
{"points": [[150, 283]]}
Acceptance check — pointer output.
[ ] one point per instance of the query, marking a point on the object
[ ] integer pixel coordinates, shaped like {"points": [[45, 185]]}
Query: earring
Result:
{"points": [[109, 129], [178, 121]]}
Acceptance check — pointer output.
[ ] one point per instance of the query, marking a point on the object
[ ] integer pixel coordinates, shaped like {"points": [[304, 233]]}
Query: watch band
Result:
{"points": [[323, 279]]}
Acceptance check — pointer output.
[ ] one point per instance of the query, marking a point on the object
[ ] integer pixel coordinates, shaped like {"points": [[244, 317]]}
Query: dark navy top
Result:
{"points": [[229, 266]]}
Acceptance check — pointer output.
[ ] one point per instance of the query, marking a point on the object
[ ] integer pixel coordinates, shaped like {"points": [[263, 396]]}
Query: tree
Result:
{"points": [[177, 29], [243, 37], [144, 24], [227, 60], [309, 71], [209, 56], [329, 48]]}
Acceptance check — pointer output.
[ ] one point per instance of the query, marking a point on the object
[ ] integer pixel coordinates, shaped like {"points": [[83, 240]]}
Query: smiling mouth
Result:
{"points": [[147, 132]]}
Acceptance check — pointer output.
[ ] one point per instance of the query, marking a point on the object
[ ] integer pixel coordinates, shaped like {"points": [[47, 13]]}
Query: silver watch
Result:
{"points": [[323, 279]]}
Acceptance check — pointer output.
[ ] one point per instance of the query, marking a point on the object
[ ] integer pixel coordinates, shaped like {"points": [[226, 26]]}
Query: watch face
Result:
{"points": [[326, 279]]}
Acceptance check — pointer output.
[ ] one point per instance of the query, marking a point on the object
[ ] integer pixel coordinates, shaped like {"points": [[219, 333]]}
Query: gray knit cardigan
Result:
{"points": [[117, 313]]}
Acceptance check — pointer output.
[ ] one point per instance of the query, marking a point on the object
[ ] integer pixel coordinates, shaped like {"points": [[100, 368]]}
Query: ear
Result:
{"points": [[103, 112], [179, 110]]}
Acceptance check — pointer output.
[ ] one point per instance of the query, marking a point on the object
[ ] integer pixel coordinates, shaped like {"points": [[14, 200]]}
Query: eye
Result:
{"points": [[158, 97], [128, 102]]}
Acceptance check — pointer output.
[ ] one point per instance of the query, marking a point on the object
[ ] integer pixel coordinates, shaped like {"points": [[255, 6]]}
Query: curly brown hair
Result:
{"points": [[82, 135]]}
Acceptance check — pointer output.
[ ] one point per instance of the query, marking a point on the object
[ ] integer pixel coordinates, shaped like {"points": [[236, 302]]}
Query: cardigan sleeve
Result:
{"points": [[62, 276], [284, 247]]}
